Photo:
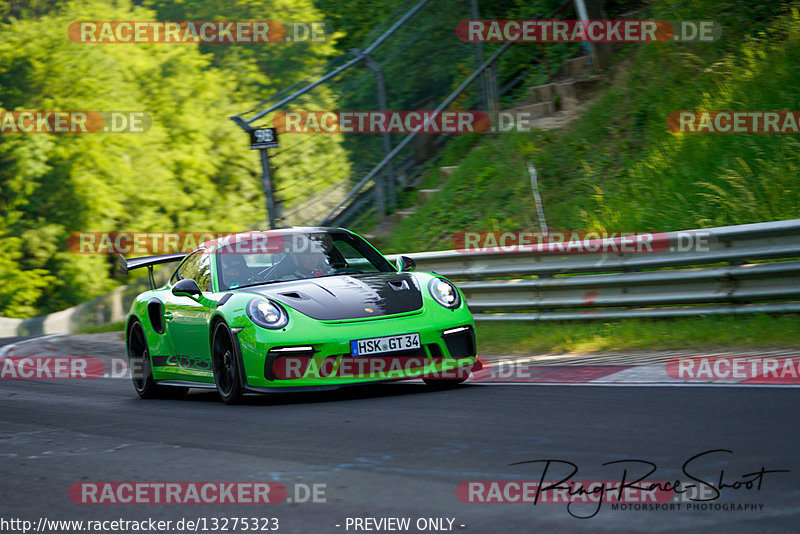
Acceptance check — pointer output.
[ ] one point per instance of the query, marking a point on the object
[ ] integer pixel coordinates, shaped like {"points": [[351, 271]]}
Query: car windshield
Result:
{"points": [[295, 256]]}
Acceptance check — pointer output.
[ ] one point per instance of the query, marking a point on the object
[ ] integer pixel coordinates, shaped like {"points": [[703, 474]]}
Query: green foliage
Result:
{"points": [[490, 190], [424, 61], [20, 288], [24, 8], [190, 171], [256, 67], [118, 326], [618, 168]]}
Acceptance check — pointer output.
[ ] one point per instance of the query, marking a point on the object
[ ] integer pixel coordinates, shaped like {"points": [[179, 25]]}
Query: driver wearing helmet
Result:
{"points": [[234, 270], [309, 264]]}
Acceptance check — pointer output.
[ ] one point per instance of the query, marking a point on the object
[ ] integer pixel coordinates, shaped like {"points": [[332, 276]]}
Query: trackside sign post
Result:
{"points": [[264, 139]]}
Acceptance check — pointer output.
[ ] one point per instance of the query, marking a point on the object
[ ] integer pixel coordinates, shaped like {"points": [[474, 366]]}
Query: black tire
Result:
{"points": [[227, 375], [443, 383], [448, 382], [141, 370]]}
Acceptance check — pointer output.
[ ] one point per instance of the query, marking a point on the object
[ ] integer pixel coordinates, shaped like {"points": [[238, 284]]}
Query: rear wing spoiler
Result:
{"points": [[148, 261]]}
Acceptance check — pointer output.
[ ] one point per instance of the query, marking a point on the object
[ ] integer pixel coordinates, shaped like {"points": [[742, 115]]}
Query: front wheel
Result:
{"points": [[141, 368], [448, 378], [227, 375], [443, 383]]}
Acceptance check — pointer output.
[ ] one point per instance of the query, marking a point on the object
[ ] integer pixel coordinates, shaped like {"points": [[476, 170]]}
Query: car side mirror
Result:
{"points": [[187, 288], [405, 264]]}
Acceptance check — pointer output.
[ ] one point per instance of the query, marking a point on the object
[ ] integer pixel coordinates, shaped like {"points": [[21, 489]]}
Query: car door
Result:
{"points": [[187, 320]]}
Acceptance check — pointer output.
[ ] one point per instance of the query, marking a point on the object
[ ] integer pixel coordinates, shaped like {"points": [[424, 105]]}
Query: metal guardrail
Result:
{"points": [[551, 284], [572, 285], [109, 308]]}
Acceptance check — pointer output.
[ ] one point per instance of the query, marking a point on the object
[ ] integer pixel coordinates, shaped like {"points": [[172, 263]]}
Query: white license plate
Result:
{"points": [[378, 345]]}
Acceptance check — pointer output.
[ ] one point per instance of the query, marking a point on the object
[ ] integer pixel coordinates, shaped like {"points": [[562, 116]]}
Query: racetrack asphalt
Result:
{"points": [[401, 450]]}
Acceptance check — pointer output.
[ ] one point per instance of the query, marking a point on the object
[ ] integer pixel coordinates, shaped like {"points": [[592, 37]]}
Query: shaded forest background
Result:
{"points": [[192, 171]]}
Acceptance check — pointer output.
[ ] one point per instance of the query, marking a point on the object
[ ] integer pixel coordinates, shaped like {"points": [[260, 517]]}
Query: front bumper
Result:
{"points": [[311, 354]]}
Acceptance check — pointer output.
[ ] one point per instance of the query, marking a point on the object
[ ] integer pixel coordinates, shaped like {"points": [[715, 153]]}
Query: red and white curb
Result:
{"points": [[747, 368], [8, 350], [44, 358], [734, 371]]}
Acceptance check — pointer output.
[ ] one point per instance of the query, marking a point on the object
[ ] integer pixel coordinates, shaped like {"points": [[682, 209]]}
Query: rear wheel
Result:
{"points": [[141, 368], [227, 374]]}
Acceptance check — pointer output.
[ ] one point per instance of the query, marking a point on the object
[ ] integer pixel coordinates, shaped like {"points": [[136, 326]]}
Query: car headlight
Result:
{"points": [[266, 313], [444, 293]]}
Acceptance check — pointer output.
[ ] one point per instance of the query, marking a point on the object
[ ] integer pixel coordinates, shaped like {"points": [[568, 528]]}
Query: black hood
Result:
{"points": [[354, 296]]}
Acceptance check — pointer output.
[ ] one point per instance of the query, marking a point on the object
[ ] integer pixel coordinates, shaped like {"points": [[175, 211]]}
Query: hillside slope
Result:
{"points": [[618, 168]]}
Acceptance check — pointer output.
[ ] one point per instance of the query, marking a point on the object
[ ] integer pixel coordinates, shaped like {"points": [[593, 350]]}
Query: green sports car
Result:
{"points": [[296, 308]]}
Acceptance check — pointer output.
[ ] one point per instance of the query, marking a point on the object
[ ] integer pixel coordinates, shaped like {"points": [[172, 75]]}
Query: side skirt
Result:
{"points": [[186, 383]]}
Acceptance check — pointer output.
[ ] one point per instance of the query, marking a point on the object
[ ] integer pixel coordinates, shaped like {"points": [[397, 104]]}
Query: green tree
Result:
{"points": [[185, 173]]}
